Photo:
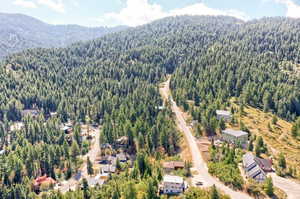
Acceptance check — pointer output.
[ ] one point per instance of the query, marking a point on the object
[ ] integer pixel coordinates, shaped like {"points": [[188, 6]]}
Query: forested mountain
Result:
{"points": [[19, 32], [114, 81]]}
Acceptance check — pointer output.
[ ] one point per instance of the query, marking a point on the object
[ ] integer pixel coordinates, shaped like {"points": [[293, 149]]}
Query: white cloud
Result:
{"points": [[25, 4], [56, 5], [138, 12], [293, 9]]}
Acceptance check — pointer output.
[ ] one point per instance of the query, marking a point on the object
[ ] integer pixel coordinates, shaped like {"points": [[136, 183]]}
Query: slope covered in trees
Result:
{"points": [[19, 32], [114, 81]]}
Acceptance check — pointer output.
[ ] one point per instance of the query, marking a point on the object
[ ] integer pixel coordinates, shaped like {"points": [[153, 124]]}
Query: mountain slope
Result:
{"points": [[114, 80], [19, 32]]}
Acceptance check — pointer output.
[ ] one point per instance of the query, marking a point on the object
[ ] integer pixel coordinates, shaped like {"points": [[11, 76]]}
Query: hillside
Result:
{"points": [[113, 81], [19, 32]]}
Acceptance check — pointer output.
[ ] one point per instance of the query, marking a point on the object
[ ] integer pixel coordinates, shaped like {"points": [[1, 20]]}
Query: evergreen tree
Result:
{"points": [[214, 193], [269, 187], [90, 169]]}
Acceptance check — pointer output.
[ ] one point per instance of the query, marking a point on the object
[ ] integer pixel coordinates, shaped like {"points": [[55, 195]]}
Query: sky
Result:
{"points": [[137, 12]]}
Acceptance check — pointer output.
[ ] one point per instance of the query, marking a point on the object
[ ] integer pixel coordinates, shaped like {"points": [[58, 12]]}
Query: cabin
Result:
{"points": [[122, 142], [43, 180], [108, 168], [30, 113], [94, 181], [173, 184], [17, 126], [252, 168], [173, 165], [121, 157], [223, 114], [236, 137], [264, 164], [105, 146], [66, 129], [108, 160]]}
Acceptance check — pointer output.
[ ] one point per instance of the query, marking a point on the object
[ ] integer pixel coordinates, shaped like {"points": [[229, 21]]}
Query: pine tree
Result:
{"points": [[89, 167], [282, 161], [214, 193], [269, 187]]}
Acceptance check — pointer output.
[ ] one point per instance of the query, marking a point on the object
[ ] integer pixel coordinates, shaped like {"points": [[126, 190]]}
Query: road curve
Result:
{"points": [[198, 162]]}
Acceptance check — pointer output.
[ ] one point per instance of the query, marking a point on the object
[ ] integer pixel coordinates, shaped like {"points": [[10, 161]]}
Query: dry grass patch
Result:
{"points": [[278, 138]]}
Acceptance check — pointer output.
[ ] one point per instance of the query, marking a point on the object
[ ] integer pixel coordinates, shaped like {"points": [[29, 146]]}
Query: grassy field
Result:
{"points": [[277, 137]]}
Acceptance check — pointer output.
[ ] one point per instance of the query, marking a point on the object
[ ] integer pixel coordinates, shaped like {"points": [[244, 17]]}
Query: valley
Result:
{"points": [[185, 107]]}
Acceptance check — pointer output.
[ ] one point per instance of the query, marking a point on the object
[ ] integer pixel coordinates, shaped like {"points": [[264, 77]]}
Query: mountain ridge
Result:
{"points": [[19, 32]]}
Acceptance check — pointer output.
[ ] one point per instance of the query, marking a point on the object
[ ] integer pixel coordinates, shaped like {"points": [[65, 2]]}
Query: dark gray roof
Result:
{"points": [[236, 133]]}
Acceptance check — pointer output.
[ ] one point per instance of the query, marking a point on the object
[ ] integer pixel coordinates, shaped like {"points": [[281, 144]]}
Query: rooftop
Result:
{"points": [[236, 133], [173, 179], [223, 112]]}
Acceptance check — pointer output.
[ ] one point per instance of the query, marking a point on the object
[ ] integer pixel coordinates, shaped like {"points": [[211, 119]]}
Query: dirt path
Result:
{"points": [[198, 162], [74, 181]]}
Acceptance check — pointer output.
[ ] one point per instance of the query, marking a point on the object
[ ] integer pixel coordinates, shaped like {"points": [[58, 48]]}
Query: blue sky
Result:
{"points": [[138, 12]]}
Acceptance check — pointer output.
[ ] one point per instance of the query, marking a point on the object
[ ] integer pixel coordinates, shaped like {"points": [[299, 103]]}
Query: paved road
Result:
{"points": [[291, 188], [198, 162]]}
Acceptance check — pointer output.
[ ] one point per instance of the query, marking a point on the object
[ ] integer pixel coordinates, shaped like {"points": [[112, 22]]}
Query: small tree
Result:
{"points": [[282, 161], [269, 189], [89, 167], [250, 146], [85, 187], [274, 120], [214, 193]]}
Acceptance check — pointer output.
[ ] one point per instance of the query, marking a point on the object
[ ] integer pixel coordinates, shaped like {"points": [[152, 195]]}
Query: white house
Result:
{"points": [[173, 184], [222, 114]]}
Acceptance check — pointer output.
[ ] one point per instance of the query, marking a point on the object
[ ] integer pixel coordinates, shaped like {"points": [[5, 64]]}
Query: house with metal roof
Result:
{"points": [[223, 114], [252, 168], [236, 137]]}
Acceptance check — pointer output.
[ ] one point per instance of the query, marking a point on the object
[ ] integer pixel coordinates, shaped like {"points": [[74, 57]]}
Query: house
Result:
{"points": [[92, 182], [223, 114], [252, 169], [236, 137], [66, 129], [264, 164], [122, 157], [17, 126], [105, 146], [108, 160], [173, 184], [173, 165], [2, 152], [122, 142], [30, 112], [43, 180], [108, 168]]}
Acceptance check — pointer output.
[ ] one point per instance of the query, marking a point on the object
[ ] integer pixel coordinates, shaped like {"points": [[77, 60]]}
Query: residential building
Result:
{"points": [[252, 168], [173, 165], [223, 114], [108, 168], [122, 157], [43, 180], [264, 164], [93, 181], [236, 137], [173, 184], [30, 112]]}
